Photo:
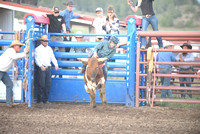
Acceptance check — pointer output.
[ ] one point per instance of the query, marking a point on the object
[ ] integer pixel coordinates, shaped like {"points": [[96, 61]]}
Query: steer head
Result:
{"points": [[93, 66]]}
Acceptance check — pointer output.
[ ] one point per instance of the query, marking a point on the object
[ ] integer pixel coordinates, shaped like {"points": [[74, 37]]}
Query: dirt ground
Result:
{"points": [[79, 118]]}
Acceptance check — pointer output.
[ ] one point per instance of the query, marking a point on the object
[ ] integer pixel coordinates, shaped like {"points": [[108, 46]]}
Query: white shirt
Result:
{"points": [[98, 23], [44, 56], [8, 58]]}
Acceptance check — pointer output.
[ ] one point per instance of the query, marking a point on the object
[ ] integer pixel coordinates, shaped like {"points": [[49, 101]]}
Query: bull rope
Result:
{"points": [[24, 83]]}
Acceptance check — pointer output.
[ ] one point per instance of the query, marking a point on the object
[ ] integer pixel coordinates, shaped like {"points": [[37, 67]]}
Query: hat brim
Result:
{"points": [[42, 39], [188, 46], [69, 5], [17, 44]]}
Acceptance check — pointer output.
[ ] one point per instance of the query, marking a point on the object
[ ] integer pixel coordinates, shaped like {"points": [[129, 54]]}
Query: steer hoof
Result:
{"points": [[93, 105]]}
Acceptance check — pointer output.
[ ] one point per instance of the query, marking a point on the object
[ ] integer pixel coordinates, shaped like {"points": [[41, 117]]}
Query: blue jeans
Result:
{"points": [[44, 85], [165, 81], [185, 79], [154, 23], [104, 68], [4, 77]]}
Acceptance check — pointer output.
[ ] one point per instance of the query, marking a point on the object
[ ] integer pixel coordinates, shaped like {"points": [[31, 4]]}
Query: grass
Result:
{"points": [[180, 105]]}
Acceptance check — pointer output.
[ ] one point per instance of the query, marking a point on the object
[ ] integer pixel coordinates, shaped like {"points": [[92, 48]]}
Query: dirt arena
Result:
{"points": [[78, 118]]}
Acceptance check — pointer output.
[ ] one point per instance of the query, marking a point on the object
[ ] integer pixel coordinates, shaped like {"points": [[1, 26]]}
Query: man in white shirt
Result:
{"points": [[43, 58], [6, 61], [98, 24]]}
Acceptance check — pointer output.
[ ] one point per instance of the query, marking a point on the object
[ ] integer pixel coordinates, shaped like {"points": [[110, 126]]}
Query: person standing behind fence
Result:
{"points": [[112, 22], [79, 38], [6, 61], [185, 57], [57, 25], [98, 24], [166, 69], [148, 17], [43, 58]]}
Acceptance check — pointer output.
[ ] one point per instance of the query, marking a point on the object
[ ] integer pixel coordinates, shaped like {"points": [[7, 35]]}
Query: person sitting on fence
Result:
{"points": [[185, 57], [6, 61], [57, 25], [166, 69], [98, 24], [105, 49], [68, 15], [148, 17], [43, 58]]}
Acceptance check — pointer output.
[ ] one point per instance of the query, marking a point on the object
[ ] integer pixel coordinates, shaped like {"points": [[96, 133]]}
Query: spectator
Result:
{"points": [[79, 38], [166, 69], [68, 15], [185, 57], [148, 17], [105, 49], [7, 59], [57, 25], [43, 58], [98, 24], [112, 22]]}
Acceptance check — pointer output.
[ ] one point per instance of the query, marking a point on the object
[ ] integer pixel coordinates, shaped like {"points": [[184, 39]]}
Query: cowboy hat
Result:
{"points": [[16, 43], [69, 3], [43, 37], [187, 45], [167, 43]]}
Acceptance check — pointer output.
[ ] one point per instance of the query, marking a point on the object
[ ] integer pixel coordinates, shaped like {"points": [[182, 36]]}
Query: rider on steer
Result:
{"points": [[105, 49]]}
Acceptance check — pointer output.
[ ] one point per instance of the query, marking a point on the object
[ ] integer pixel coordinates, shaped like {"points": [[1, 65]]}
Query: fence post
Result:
{"points": [[30, 25], [130, 63]]}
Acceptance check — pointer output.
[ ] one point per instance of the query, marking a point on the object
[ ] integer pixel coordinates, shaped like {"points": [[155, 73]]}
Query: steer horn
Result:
{"points": [[102, 59], [83, 59]]}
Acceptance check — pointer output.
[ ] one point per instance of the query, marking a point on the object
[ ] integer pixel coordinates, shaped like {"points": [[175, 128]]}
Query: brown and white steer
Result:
{"points": [[94, 79]]}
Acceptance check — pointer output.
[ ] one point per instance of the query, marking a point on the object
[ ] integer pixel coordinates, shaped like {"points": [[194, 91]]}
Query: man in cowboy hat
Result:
{"points": [[68, 15], [6, 61], [43, 58], [166, 69], [185, 57]]}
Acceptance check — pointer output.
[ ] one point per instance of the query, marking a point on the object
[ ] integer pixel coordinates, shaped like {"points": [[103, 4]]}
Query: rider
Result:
{"points": [[105, 49]]}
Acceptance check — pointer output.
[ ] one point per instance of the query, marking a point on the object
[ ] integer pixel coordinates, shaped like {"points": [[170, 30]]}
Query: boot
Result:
{"points": [[82, 71]]}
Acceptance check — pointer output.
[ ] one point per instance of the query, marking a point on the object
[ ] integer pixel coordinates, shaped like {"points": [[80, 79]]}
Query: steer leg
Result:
{"points": [[103, 95], [92, 99]]}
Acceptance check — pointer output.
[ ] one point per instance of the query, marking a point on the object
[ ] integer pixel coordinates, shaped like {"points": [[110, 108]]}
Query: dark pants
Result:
{"points": [[67, 38], [44, 85], [4, 77], [185, 79], [104, 68]]}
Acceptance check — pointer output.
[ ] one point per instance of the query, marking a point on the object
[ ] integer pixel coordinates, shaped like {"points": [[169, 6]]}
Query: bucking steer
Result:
{"points": [[94, 79]]}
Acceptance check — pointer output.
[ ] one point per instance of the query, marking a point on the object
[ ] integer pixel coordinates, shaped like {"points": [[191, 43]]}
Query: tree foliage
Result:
{"points": [[169, 12]]}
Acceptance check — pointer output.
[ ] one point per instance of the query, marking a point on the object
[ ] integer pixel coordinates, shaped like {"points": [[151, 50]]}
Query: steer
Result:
{"points": [[94, 79]]}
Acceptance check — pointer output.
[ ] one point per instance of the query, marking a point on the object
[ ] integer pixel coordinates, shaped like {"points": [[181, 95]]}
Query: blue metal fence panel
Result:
{"points": [[72, 90]]}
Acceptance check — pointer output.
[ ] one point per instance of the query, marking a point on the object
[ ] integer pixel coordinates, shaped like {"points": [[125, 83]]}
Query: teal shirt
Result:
{"points": [[104, 50]]}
